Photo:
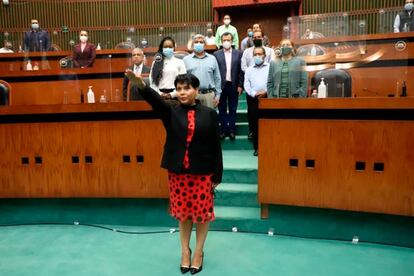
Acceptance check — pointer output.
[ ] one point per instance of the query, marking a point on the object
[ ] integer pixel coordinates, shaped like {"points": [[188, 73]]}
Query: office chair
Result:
{"points": [[338, 81], [5, 93]]}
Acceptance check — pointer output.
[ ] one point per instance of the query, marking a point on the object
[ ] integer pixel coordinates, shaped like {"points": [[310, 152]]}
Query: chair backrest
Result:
{"points": [[5, 93], [66, 62], [125, 45], [55, 47], [338, 81]]}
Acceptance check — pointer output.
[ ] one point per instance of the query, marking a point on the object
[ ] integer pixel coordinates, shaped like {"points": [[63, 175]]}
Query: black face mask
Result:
{"points": [[257, 42]]}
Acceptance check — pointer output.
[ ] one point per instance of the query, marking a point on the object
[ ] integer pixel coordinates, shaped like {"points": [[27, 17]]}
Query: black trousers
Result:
{"points": [[253, 117]]}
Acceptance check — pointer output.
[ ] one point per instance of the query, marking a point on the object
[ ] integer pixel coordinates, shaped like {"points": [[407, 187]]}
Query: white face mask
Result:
{"points": [[83, 38], [226, 45], [226, 21]]}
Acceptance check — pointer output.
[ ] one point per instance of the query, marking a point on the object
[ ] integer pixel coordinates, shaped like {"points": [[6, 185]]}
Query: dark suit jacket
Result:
{"points": [[237, 76], [135, 95], [36, 41], [85, 58], [205, 148]]}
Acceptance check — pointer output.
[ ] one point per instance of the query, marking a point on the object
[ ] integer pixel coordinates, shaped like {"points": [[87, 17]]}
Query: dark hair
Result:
{"points": [[188, 79], [260, 47], [226, 34], [159, 65]]}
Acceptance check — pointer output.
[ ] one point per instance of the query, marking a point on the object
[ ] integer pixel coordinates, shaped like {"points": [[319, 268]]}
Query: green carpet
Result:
{"points": [[79, 250]]}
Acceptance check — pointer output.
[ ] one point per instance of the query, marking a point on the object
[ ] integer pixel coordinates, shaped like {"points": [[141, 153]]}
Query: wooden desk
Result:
{"points": [[350, 154], [81, 150], [373, 61]]}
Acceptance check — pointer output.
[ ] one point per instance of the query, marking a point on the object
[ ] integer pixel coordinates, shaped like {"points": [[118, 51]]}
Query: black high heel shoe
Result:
{"points": [[195, 270], [185, 269]]}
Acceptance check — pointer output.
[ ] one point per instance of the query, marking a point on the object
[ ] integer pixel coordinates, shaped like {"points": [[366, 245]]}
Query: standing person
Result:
{"points": [[36, 40], [258, 28], [205, 67], [165, 69], [227, 28], [255, 81], [138, 68], [210, 38], [192, 155], [404, 20], [229, 61], [288, 77], [247, 61], [243, 44], [84, 53]]}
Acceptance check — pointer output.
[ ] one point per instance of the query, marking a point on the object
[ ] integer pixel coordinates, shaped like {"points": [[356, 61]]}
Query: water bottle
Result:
{"points": [[90, 95], [322, 89], [29, 66], [98, 47]]}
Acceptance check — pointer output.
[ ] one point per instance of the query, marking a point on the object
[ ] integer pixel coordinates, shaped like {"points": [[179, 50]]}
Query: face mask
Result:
{"points": [[35, 26], [83, 38], [226, 45], [250, 34], [199, 47], [168, 52], [286, 51], [257, 42], [409, 6], [226, 21], [258, 60]]}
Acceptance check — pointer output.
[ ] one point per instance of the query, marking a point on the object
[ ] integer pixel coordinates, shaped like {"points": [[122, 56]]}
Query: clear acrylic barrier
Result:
{"points": [[52, 77]]}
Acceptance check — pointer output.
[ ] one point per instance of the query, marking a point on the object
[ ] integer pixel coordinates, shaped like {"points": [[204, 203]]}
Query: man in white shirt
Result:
{"points": [[255, 84], [7, 47], [138, 68], [404, 20], [210, 38]]}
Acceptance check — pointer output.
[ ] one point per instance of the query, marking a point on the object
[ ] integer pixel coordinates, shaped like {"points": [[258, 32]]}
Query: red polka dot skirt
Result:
{"points": [[190, 194]]}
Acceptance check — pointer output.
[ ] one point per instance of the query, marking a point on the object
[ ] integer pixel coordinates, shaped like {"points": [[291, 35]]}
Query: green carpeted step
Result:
{"points": [[242, 128], [241, 115], [241, 143], [234, 194], [244, 218], [242, 104], [240, 166]]}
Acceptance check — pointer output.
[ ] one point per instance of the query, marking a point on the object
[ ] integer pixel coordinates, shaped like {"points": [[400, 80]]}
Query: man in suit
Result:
{"points": [[36, 39], [229, 62], [138, 68]]}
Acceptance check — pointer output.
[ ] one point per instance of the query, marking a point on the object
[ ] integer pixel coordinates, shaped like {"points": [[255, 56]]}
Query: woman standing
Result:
{"points": [[192, 155], [287, 76], [165, 69], [84, 53]]}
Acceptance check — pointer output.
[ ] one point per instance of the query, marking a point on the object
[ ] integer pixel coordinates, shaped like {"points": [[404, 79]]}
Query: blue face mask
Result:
{"points": [[258, 60], [409, 6], [250, 34], [198, 47], [168, 52], [35, 26]]}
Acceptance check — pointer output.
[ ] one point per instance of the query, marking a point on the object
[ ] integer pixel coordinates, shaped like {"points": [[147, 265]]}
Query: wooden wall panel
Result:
{"points": [[336, 145], [105, 141]]}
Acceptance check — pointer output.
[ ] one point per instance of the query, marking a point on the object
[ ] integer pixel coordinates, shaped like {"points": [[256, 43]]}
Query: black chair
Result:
{"points": [[5, 93], [338, 82]]}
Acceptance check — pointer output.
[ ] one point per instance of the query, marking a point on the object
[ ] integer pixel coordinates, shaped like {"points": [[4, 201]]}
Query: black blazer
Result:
{"points": [[237, 75], [135, 95], [205, 148], [36, 41]]}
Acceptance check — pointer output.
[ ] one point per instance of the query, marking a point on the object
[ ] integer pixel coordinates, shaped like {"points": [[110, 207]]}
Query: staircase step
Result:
{"points": [[242, 128], [241, 143], [240, 166], [235, 194], [244, 218], [241, 115]]}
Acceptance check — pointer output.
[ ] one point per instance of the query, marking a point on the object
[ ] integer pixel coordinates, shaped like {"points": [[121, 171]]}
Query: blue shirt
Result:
{"points": [[206, 70], [255, 79]]}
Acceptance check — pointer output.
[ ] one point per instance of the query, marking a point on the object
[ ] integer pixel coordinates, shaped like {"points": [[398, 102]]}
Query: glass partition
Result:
{"points": [[66, 73]]}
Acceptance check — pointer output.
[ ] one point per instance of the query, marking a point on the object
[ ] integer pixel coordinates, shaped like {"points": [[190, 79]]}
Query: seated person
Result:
{"points": [[404, 20], [84, 53], [7, 47], [36, 39], [138, 68]]}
